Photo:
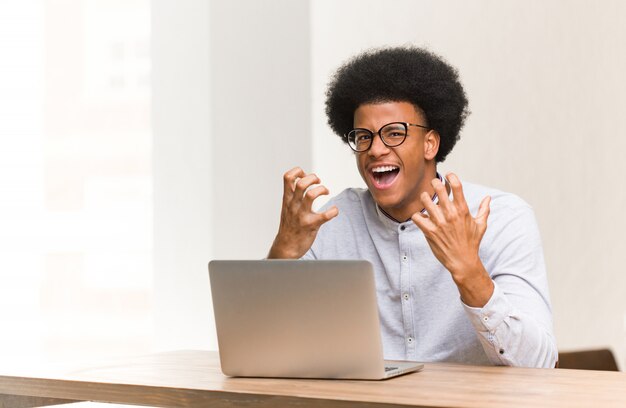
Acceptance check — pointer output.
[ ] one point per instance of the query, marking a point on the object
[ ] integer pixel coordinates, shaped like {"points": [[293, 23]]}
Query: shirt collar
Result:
{"points": [[389, 221]]}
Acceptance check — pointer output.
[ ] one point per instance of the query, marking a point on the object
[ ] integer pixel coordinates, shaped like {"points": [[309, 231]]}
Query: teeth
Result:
{"points": [[382, 169]]}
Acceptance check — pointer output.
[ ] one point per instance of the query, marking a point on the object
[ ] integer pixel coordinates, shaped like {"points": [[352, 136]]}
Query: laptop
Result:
{"points": [[299, 319]]}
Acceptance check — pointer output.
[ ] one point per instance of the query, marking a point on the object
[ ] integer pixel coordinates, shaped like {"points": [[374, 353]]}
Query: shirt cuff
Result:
{"points": [[490, 316]]}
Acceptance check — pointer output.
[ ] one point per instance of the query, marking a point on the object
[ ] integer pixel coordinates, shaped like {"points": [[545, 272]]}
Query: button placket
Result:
{"points": [[405, 289]]}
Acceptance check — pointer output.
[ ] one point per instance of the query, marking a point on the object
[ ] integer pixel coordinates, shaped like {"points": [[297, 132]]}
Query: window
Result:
{"points": [[75, 178]]}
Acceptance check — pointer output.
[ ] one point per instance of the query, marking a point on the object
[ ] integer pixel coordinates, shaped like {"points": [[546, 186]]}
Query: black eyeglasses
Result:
{"points": [[392, 134]]}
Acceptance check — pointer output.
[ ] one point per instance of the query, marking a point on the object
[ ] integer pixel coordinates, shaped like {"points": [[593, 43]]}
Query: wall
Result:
{"points": [[182, 173], [261, 122], [231, 104]]}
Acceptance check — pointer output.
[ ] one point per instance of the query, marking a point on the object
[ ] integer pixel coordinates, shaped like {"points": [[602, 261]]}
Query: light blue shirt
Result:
{"points": [[421, 314]]}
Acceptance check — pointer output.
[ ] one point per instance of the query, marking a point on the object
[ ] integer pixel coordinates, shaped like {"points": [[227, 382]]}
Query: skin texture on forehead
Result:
{"points": [[423, 119]]}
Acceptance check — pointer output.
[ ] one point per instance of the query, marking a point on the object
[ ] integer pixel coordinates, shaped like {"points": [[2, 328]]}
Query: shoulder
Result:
{"points": [[509, 214], [351, 198], [500, 200], [354, 205], [334, 237], [511, 219]]}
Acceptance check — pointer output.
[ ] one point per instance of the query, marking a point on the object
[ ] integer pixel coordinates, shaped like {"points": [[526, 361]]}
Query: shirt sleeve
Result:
{"points": [[515, 326]]}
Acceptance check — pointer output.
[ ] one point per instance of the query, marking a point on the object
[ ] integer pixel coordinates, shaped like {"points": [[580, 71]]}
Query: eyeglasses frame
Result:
{"points": [[382, 139]]}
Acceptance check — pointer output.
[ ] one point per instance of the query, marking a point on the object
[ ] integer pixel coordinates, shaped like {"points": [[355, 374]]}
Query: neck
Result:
{"points": [[404, 214]]}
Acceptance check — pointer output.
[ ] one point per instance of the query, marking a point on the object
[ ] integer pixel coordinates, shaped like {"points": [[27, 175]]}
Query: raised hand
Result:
{"points": [[298, 222], [454, 237]]}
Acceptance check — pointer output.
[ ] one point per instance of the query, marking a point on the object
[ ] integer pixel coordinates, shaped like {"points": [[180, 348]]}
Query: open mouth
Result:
{"points": [[384, 176]]}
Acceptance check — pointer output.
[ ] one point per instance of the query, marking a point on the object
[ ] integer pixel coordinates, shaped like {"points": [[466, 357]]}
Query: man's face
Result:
{"points": [[396, 176]]}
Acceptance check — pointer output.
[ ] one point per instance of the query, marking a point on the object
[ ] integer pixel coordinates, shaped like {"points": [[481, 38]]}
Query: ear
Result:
{"points": [[431, 144]]}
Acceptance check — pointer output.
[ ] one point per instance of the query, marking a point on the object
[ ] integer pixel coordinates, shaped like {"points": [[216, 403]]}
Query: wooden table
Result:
{"points": [[194, 379]]}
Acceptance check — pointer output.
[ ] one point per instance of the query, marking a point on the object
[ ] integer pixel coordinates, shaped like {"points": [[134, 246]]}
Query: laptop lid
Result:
{"points": [[297, 318]]}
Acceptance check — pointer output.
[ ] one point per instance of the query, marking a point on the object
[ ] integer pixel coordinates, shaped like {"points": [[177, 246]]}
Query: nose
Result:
{"points": [[378, 148]]}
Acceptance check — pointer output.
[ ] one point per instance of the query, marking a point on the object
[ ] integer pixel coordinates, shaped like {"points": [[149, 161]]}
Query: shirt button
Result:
{"points": [[402, 227], [485, 318], [406, 296], [410, 340], [501, 351], [404, 258]]}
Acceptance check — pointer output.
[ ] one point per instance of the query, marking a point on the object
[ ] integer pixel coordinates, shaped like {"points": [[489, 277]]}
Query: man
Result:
{"points": [[449, 287]]}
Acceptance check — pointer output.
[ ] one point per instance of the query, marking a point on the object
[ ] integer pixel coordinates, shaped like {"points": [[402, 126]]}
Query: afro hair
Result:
{"points": [[400, 74]]}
